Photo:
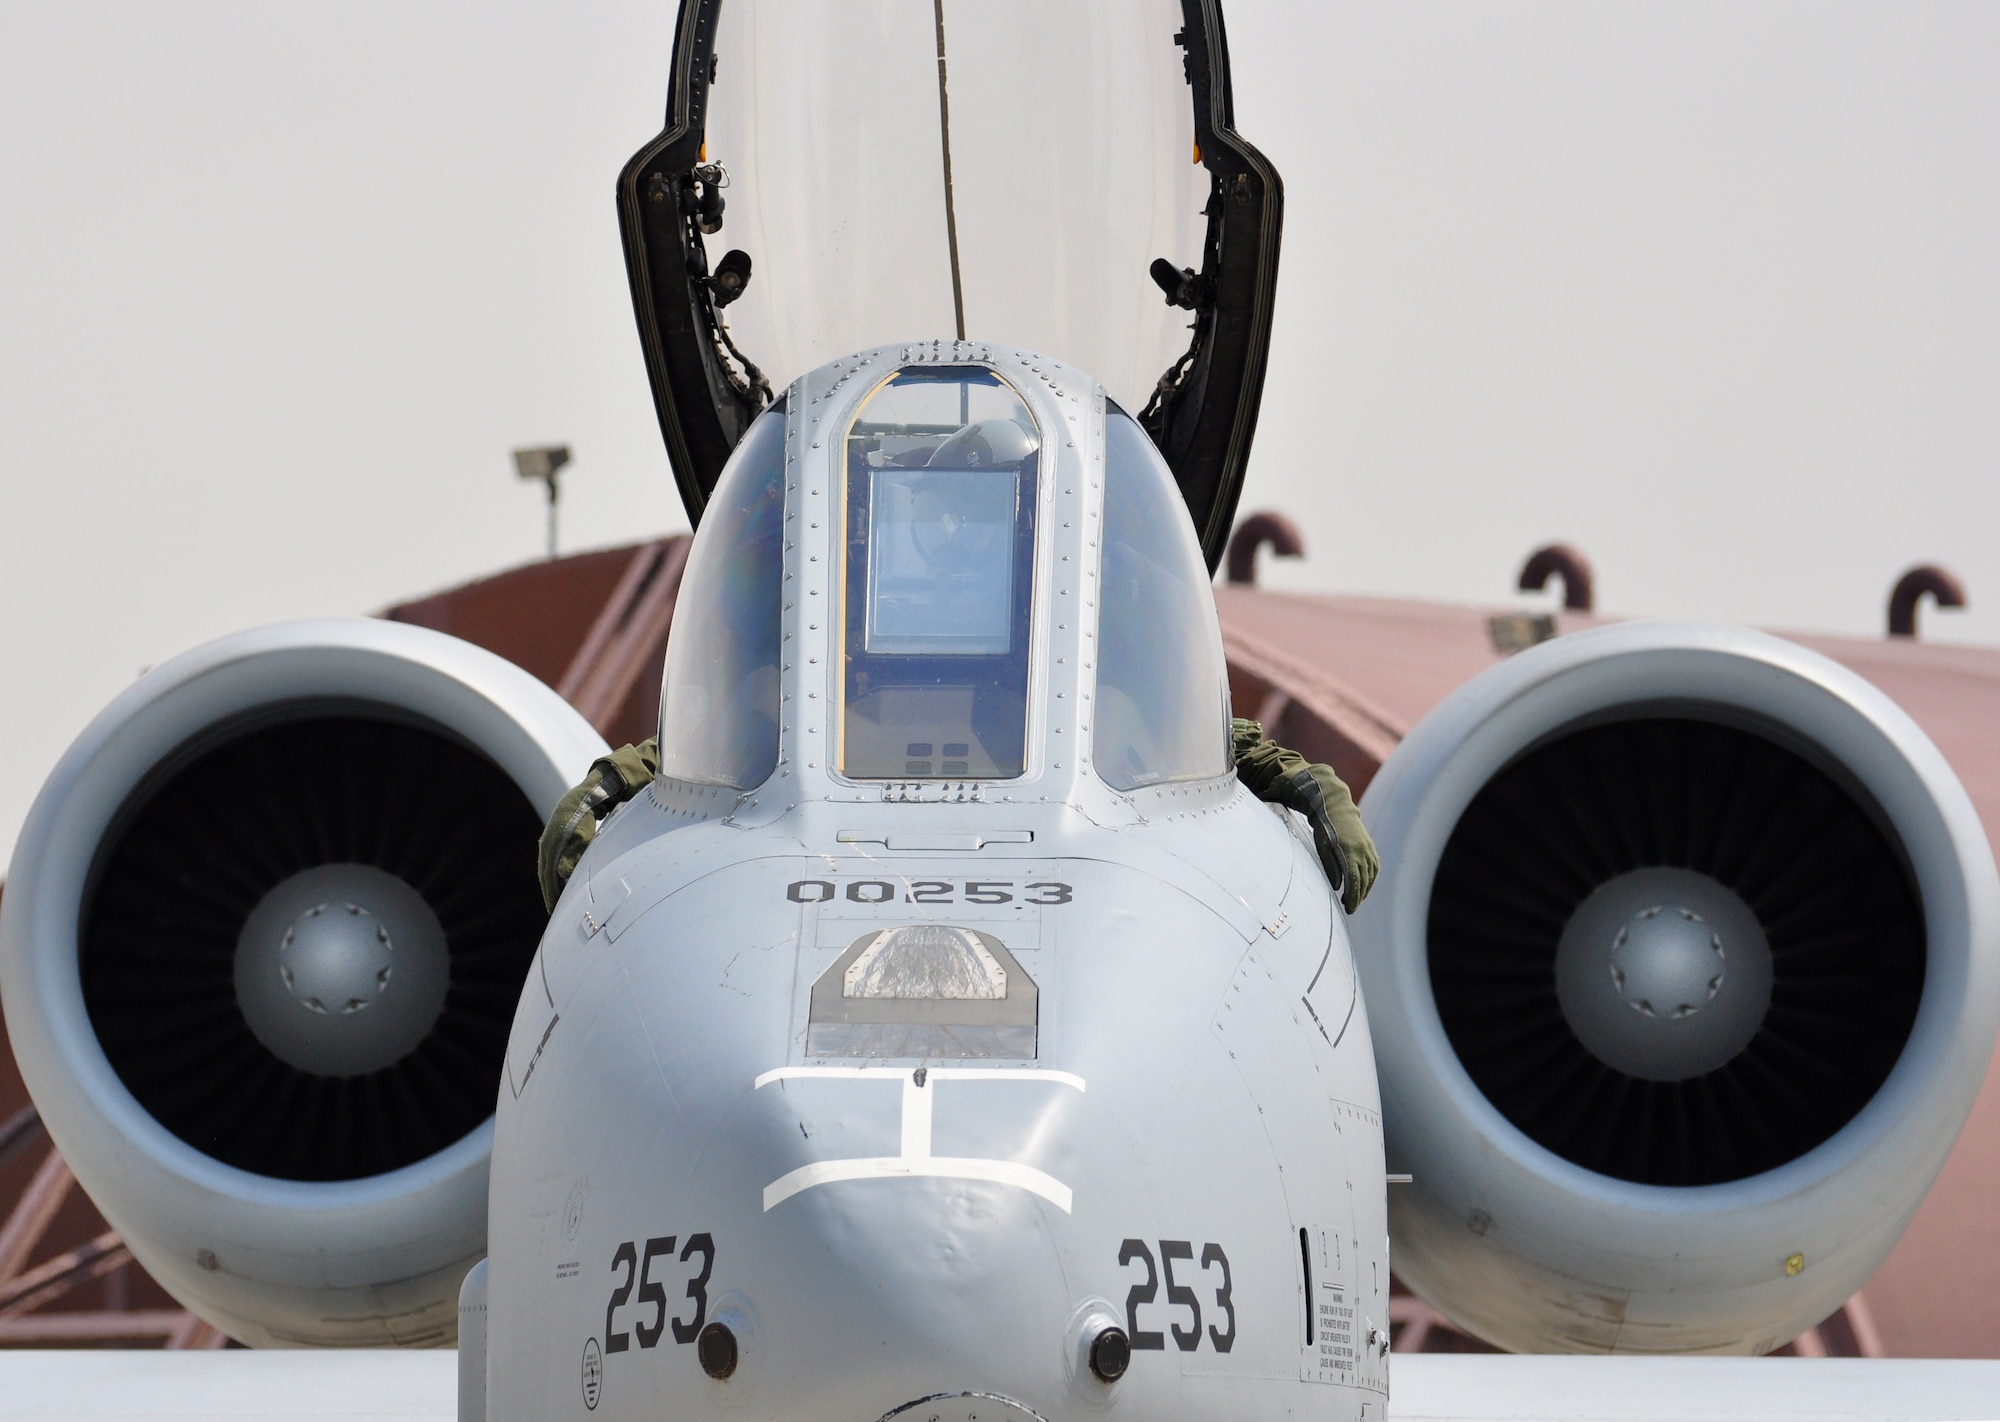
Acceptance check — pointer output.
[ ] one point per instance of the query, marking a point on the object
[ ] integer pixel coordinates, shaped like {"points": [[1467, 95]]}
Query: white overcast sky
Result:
{"points": [[1711, 290]]}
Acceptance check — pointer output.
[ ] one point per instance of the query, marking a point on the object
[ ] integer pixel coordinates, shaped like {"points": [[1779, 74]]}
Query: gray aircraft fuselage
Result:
{"points": [[919, 1085]]}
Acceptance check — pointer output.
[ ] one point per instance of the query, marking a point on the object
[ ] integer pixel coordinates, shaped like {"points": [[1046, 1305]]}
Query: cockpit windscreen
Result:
{"points": [[940, 498], [719, 703], [1162, 683], [920, 518]]}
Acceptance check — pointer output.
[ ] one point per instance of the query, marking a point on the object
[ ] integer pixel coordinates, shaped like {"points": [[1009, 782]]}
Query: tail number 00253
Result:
{"points": [[1043, 893], [1180, 1295], [637, 1269]]}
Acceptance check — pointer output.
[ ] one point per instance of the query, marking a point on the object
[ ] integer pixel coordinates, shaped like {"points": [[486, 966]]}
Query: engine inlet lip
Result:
{"points": [[1731, 675], [1847, 1197], [429, 1213]]}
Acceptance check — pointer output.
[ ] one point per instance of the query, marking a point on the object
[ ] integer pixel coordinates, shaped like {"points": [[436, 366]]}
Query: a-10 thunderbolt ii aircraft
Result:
{"points": [[946, 1032]]}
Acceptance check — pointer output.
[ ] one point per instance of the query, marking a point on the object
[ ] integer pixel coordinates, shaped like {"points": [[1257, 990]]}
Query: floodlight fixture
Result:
{"points": [[541, 463]]}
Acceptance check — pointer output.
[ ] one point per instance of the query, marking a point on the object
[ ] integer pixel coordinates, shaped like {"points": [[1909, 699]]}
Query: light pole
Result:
{"points": [[542, 463]]}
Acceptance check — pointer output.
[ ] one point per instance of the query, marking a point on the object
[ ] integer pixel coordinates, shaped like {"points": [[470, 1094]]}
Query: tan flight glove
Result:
{"points": [[613, 780], [1283, 777]]}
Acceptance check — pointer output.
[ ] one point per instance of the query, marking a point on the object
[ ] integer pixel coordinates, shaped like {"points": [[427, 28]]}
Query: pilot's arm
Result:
{"points": [[613, 780], [1283, 777]]}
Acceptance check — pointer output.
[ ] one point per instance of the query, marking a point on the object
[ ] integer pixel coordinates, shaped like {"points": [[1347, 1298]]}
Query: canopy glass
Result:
{"points": [[842, 174]]}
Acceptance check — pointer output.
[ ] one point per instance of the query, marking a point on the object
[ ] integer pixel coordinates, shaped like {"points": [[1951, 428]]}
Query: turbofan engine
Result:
{"points": [[260, 950], [1682, 978]]}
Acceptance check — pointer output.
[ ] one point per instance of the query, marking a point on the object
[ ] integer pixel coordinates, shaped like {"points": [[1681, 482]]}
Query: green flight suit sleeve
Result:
{"points": [[1284, 777], [613, 779]]}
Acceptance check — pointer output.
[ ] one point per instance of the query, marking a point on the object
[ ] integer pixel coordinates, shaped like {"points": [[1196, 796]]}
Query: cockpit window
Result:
{"points": [[937, 595], [1162, 685], [719, 706]]}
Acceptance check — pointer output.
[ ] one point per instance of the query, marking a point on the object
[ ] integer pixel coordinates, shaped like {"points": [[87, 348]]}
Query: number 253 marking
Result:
{"points": [[1179, 1295], [639, 1269]]}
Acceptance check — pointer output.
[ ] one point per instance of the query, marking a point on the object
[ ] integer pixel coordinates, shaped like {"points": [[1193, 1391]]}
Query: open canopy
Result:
{"points": [[837, 174]]}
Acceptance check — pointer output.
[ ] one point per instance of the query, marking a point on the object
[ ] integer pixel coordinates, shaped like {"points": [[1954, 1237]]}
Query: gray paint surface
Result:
{"points": [[1201, 1097]]}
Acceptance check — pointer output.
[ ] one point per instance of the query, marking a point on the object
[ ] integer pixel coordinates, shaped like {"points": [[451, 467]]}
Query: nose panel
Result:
{"points": [[965, 1407]]}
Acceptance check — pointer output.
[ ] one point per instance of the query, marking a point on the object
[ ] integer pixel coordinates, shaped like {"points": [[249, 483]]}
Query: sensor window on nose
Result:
{"points": [[929, 990], [926, 962]]}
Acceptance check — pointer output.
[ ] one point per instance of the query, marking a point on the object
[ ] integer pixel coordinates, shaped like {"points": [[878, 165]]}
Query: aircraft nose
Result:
{"points": [[909, 1239], [917, 1159]]}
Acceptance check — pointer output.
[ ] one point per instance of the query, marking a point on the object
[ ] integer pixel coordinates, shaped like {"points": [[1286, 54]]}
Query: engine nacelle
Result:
{"points": [[1683, 978], [261, 946]]}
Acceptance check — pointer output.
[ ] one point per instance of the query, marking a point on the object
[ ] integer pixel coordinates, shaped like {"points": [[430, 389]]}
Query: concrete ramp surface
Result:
{"points": [[238, 1386]]}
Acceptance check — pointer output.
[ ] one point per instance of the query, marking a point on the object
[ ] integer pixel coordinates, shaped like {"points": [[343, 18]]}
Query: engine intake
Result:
{"points": [[220, 1039], [1682, 978], [264, 935], [1712, 862]]}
